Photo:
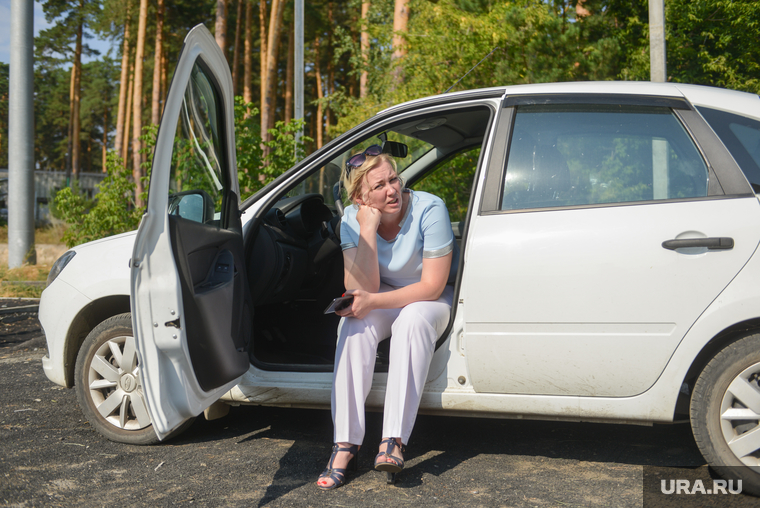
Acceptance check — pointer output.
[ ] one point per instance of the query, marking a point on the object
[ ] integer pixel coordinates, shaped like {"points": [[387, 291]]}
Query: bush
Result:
{"points": [[112, 212]]}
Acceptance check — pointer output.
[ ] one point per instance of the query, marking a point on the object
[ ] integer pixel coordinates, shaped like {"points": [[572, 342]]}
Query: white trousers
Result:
{"points": [[415, 330]]}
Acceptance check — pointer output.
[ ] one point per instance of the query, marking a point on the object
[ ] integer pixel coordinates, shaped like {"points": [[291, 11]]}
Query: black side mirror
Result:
{"points": [[194, 205], [395, 149]]}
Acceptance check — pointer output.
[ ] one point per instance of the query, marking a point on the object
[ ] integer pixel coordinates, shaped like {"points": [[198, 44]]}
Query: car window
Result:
{"points": [[741, 135], [197, 156], [565, 155], [451, 181], [322, 181]]}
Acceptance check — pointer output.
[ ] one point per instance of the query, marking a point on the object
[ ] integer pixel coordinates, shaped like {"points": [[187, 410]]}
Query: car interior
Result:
{"points": [[295, 262]]}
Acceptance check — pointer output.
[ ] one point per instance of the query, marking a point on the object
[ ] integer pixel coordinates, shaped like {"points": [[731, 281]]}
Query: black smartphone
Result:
{"points": [[339, 303]]}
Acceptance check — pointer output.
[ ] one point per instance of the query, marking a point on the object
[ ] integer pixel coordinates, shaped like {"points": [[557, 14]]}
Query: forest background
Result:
{"points": [[360, 56]]}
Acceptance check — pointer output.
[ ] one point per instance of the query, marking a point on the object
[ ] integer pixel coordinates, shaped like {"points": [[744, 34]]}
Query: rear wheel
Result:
{"points": [[108, 385], [725, 412]]}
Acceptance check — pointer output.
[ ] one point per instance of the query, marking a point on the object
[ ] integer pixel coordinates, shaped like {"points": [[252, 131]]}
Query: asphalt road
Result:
{"points": [[49, 456]]}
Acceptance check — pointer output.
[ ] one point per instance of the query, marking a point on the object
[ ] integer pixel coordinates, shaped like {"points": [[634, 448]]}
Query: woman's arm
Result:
{"points": [[435, 273], [359, 272], [360, 266]]}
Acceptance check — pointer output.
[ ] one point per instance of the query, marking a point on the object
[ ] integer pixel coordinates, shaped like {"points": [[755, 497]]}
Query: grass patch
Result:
{"points": [[26, 273], [48, 234]]}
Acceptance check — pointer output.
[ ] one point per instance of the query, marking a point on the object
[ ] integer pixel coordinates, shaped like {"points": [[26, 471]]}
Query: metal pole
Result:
{"points": [[657, 54], [298, 71], [21, 137]]}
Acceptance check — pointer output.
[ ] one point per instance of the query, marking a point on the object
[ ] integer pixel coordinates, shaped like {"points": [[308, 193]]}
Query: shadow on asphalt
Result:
{"points": [[439, 444]]}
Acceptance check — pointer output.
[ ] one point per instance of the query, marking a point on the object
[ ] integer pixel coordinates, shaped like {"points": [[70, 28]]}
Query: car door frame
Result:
{"points": [[172, 392], [726, 179]]}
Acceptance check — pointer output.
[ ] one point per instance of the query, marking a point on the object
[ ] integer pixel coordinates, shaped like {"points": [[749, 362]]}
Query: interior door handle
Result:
{"points": [[720, 243]]}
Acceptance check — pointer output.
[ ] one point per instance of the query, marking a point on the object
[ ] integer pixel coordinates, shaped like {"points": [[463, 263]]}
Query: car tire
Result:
{"points": [[108, 386], [726, 387]]}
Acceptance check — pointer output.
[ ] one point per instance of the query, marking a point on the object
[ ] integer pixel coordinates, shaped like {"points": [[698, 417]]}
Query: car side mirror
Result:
{"points": [[395, 149], [194, 205]]}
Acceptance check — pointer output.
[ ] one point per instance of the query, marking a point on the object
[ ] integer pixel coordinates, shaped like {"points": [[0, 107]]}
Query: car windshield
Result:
{"points": [[323, 180]]}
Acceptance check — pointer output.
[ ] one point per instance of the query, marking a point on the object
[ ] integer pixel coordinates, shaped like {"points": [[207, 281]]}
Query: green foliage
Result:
{"points": [[549, 42], [248, 146], [100, 97], [452, 182], [51, 117], [114, 211], [714, 42], [538, 41], [254, 172]]}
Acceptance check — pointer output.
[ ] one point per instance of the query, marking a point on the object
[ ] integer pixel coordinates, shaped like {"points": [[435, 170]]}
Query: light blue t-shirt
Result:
{"points": [[425, 233]]}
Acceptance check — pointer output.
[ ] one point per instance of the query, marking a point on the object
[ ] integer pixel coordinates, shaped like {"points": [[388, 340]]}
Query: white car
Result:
{"points": [[608, 272]]}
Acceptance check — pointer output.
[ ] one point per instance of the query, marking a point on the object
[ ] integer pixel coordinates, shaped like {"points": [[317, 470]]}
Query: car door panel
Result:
{"points": [[213, 282], [582, 313]]}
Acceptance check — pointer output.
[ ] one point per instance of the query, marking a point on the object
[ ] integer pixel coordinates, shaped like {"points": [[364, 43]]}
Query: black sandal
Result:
{"points": [[390, 467], [338, 476]]}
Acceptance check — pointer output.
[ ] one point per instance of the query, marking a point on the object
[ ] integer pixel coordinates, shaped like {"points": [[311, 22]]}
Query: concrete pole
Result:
{"points": [[21, 136], [298, 71], [657, 60]]}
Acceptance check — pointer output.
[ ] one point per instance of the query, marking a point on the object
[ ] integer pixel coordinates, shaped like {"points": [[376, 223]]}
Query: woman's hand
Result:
{"points": [[361, 306], [368, 217]]}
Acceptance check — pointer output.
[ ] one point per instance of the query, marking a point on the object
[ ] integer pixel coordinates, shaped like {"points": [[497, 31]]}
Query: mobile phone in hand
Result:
{"points": [[339, 303]]}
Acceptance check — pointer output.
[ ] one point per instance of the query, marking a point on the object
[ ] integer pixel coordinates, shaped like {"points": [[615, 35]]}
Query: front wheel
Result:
{"points": [[108, 385], [725, 412]]}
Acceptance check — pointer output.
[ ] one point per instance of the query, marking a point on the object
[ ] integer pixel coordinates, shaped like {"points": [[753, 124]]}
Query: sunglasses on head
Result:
{"points": [[357, 160]]}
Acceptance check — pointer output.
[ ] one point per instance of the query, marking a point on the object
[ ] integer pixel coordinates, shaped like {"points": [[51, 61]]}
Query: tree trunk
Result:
{"points": [[320, 93], [163, 78], [70, 131], [137, 103], [400, 19], [155, 114], [236, 51], [76, 124], [268, 106], [320, 96], [220, 27], [128, 114], [248, 53], [330, 67], [289, 75], [123, 85], [104, 148], [73, 148], [262, 60], [363, 87]]}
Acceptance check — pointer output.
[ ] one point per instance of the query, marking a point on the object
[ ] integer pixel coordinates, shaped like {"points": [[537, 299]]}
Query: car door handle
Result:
{"points": [[720, 243]]}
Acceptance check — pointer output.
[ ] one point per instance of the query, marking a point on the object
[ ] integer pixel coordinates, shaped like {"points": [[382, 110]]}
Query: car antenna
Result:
{"points": [[473, 68]]}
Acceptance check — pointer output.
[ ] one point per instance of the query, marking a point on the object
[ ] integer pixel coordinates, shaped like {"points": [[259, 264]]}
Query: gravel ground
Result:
{"points": [[19, 328], [50, 456]]}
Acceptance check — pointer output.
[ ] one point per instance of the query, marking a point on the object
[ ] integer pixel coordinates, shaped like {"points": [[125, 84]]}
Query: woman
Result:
{"points": [[399, 256]]}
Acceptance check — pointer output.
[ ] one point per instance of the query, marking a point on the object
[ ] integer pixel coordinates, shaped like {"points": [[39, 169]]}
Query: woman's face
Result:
{"points": [[381, 189]]}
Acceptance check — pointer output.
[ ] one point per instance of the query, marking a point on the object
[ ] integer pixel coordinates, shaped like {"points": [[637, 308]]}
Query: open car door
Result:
{"points": [[191, 309]]}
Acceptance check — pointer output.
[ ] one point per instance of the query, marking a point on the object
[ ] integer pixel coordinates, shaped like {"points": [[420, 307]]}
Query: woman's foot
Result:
{"points": [[390, 458], [343, 457]]}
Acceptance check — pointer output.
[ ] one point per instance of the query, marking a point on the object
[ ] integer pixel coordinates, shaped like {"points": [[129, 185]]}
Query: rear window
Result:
{"points": [[576, 155], [741, 135]]}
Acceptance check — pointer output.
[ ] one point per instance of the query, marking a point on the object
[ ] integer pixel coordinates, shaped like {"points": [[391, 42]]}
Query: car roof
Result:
{"points": [[732, 101], [743, 103]]}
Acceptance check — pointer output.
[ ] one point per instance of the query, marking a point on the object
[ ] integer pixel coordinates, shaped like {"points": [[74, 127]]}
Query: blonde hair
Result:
{"points": [[353, 181]]}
